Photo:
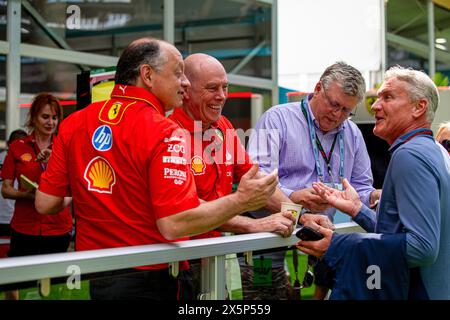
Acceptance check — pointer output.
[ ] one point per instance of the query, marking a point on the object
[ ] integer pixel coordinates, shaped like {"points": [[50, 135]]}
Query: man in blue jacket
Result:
{"points": [[407, 253]]}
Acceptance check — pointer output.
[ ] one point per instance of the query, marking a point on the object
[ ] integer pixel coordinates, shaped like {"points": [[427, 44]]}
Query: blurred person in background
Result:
{"points": [[7, 205], [31, 232], [443, 135]]}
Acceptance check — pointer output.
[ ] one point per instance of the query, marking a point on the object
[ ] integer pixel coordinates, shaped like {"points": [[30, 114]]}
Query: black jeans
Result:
{"points": [[133, 284]]}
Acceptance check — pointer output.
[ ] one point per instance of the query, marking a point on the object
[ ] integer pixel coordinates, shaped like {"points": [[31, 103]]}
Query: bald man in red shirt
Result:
{"points": [[216, 155]]}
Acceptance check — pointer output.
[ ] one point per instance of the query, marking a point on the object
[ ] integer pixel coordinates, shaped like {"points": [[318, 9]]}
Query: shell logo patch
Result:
{"points": [[198, 166], [100, 176], [26, 157], [114, 110]]}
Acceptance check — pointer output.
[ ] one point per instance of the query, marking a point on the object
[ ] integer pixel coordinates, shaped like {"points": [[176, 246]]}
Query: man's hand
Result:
{"points": [[254, 192], [316, 248], [347, 201], [374, 198], [29, 194], [281, 223], [309, 199], [315, 221]]}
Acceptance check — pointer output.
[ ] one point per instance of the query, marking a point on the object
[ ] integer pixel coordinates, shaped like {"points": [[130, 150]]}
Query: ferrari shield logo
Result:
{"points": [[114, 110]]}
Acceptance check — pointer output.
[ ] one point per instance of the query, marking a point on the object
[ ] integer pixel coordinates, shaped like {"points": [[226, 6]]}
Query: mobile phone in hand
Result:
{"points": [[308, 234]]}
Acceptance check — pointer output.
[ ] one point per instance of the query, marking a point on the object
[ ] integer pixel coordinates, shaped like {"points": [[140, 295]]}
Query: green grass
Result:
{"points": [[57, 292], [306, 294]]}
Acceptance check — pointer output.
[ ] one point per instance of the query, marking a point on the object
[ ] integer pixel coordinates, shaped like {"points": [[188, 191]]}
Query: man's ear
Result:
{"points": [[420, 108], [146, 74], [317, 88]]}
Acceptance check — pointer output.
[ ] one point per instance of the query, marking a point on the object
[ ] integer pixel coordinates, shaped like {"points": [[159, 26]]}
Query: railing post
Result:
{"points": [[220, 278], [205, 284], [213, 278]]}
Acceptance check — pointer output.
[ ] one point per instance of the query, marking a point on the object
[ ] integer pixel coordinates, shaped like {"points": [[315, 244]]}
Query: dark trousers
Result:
{"points": [[5, 230], [133, 284], [27, 245]]}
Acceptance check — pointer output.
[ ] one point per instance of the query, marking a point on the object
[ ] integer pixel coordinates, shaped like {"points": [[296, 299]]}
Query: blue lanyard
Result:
{"points": [[41, 164], [314, 143]]}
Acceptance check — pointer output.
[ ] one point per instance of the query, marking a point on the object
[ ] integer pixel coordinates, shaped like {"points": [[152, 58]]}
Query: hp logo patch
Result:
{"points": [[102, 139]]}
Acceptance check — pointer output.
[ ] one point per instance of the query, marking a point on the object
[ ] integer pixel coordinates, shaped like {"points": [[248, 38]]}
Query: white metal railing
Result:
{"points": [[37, 267]]}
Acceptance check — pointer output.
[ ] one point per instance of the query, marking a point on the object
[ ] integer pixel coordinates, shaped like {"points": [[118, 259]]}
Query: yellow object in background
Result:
{"points": [[27, 183], [102, 91]]}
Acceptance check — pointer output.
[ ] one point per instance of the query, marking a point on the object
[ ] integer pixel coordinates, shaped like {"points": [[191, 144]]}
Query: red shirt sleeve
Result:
{"points": [[55, 180], [9, 168], [172, 183]]}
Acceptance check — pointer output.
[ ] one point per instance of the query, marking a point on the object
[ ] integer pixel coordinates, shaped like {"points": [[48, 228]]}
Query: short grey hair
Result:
{"points": [[348, 78], [420, 87]]}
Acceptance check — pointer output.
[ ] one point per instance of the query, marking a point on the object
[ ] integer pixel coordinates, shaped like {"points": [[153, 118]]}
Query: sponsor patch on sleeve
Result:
{"points": [[174, 160], [178, 176]]}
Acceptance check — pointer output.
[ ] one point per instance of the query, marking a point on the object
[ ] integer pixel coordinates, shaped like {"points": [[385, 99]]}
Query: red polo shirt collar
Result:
{"points": [[31, 139], [136, 93], [185, 121]]}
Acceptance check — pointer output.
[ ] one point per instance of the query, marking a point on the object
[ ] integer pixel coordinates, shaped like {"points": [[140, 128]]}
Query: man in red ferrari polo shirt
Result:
{"points": [[123, 163], [216, 156]]}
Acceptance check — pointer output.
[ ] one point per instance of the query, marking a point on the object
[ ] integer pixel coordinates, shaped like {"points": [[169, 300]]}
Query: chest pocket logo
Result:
{"points": [[27, 157], [102, 139], [198, 166], [100, 176]]}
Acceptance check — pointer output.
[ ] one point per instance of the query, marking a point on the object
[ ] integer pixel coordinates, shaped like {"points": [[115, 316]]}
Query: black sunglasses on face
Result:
{"points": [[446, 144]]}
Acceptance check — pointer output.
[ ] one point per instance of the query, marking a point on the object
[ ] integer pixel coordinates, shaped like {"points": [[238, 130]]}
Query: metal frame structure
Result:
{"points": [[425, 48], [13, 65], [14, 50]]}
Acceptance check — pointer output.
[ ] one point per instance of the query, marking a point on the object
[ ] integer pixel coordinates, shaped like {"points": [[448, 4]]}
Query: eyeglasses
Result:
{"points": [[336, 105], [446, 144], [308, 279]]}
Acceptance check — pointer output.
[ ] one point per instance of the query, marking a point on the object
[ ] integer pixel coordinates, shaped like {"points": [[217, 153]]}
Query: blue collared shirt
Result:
{"points": [[288, 148], [416, 201]]}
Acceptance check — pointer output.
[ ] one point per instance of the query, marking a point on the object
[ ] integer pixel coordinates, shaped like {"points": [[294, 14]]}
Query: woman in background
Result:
{"points": [[31, 232], [7, 205]]}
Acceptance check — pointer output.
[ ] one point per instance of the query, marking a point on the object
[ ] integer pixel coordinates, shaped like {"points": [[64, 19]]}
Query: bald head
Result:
{"points": [[209, 88], [198, 64]]}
